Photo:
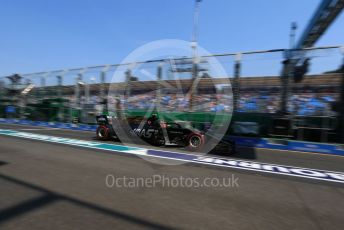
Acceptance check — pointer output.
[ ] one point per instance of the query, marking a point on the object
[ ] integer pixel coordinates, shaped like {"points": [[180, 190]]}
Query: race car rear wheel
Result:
{"points": [[103, 133], [195, 141]]}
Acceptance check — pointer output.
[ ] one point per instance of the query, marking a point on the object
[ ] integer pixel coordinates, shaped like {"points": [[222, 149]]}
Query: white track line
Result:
{"points": [[39, 129]]}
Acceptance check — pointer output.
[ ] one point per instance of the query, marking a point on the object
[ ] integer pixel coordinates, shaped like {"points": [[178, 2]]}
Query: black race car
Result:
{"points": [[154, 131]]}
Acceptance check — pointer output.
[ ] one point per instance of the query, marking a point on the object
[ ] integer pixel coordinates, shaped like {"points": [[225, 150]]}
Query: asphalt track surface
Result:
{"points": [[54, 186]]}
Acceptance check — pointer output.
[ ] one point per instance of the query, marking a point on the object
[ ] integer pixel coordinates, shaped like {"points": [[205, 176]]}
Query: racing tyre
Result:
{"points": [[195, 142], [103, 133]]}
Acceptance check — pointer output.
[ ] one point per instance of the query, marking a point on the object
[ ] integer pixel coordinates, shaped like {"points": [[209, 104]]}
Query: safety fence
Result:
{"points": [[252, 88]]}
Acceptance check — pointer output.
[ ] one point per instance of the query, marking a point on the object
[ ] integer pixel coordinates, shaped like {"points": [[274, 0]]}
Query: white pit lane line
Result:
{"points": [[45, 129], [314, 174]]}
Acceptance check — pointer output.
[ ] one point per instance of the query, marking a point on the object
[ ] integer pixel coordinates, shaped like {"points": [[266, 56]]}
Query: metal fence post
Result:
{"points": [[78, 91], [236, 82], [43, 87], [103, 99], [341, 110], [285, 84], [87, 91], [102, 85], [59, 94], [193, 90], [59, 86], [128, 82], [158, 92]]}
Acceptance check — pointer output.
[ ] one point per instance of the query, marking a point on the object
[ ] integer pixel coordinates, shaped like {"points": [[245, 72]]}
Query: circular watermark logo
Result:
{"points": [[159, 96]]}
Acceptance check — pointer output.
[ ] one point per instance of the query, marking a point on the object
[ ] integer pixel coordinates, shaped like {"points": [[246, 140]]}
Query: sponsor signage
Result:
{"points": [[275, 169]]}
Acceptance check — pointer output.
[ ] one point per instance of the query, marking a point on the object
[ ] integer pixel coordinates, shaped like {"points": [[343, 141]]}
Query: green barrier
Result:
{"points": [[194, 117], [53, 110], [48, 110]]}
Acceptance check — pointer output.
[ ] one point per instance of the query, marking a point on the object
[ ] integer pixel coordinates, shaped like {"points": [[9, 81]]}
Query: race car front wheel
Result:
{"points": [[195, 142], [103, 133]]}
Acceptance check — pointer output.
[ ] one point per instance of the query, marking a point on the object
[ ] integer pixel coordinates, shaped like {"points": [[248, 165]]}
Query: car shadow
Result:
{"points": [[245, 153]]}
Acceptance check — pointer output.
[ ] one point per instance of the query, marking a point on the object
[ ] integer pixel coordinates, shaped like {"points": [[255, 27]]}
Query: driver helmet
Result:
{"points": [[152, 118]]}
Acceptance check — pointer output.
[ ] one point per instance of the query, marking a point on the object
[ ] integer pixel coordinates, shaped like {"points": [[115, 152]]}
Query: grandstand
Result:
{"points": [[257, 94]]}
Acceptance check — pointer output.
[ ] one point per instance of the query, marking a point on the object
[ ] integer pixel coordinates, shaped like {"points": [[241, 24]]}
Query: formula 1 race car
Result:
{"points": [[155, 132]]}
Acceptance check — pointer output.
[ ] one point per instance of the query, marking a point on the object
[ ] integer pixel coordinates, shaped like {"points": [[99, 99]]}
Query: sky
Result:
{"points": [[44, 35]]}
